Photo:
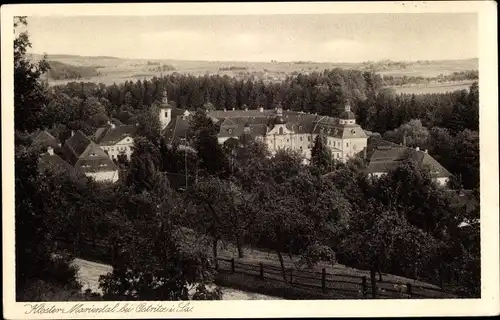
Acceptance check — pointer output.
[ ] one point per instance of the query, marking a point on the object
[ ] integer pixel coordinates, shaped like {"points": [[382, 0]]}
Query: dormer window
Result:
{"points": [[230, 130], [85, 166], [93, 154], [103, 165], [353, 131]]}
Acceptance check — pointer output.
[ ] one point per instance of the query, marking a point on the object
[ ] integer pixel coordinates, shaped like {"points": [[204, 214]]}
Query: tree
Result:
{"points": [[153, 261], [413, 134], [149, 124], [382, 239], [321, 156], [465, 157], [144, 163], [203, 136], [37, 219], [29, 92]]}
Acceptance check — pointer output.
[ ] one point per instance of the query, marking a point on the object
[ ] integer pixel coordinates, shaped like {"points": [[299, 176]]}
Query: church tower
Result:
{"points": [[347, 117], [165, 115]]}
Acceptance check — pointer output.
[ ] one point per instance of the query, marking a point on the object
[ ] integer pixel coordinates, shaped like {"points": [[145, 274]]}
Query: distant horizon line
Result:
{"points": [[250, 61]]}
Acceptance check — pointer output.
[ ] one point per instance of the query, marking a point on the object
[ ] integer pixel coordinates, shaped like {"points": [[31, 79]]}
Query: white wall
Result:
{"points": [[123, 146], [443, 181], [165, 117], [109, 176]]}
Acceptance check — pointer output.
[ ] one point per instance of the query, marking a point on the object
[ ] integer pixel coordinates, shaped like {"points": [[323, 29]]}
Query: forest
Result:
{"points": [[402, 224], [61, 71]]}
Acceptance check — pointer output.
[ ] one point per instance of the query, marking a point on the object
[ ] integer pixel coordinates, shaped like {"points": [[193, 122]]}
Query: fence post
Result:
{"points": [[441, 277], [232, 265], [374, 283], [261, 270], [323, 279], [365, 289], [408, 286]]}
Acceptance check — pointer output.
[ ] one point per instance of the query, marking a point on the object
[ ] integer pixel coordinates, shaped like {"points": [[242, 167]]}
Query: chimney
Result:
{"points": [[72, 132], [246, 109], [417, 148], [261, 109], [234, 109], [50, 151], [112, 125], [426, 151]]}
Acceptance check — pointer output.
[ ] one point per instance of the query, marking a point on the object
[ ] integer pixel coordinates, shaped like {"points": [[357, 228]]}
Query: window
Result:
{"points": [[300, 128], [92, 154], [103, 165], [230, 130], [281, 130], [309, 138], [300, 139], [347, 144], [85, 166], [166, 113], [287, 140]]}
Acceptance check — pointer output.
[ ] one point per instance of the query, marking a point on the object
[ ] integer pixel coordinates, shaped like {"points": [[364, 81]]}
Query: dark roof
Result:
{"points": [[232, 123], [116, 122], [280, 120], [177, 128], [240, 113], [374, 142], [111, 135], [347, 115], [75, 146], [45, 139], [54, 162], [387, 158]]}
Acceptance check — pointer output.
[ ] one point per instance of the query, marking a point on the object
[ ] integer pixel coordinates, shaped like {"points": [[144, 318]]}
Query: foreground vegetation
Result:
{"points": [[402, 223]]}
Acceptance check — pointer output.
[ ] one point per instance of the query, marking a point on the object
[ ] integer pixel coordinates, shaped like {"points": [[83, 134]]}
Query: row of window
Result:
{"points": [[119, 149], [102, 165]]}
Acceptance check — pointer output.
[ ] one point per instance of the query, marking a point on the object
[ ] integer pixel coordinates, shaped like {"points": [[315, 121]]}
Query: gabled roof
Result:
{"points": [[240, 113], [110, 136], [54, 162], [387, 158], [75, 146], [45, 139], [177, 128]]}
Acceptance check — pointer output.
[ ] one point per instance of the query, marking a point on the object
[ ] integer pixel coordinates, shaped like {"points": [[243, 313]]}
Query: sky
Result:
{"points": [[291, 37]]}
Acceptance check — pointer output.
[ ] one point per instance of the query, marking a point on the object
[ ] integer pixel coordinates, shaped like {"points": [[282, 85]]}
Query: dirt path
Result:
{"points": [[89, 272]]}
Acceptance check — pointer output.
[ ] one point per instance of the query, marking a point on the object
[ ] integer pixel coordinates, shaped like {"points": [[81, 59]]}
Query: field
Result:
{"points": [[433, 88], [118, 70]]}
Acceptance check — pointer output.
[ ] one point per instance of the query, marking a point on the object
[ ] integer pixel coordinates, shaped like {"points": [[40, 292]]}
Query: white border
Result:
{"points": [[487, 305]]}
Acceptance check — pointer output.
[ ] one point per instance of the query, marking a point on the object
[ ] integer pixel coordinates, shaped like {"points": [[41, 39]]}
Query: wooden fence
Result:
{"points": [[348, 285]]}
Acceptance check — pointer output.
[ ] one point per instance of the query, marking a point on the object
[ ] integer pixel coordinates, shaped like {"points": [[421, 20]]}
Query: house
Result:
{"points": [[388, 157], [44, 139], [87, 157], [50, 161], [280, 129], [116, 140]]}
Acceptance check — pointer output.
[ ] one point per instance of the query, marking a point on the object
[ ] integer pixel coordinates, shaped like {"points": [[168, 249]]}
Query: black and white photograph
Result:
{"points": [[165, 156]]}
